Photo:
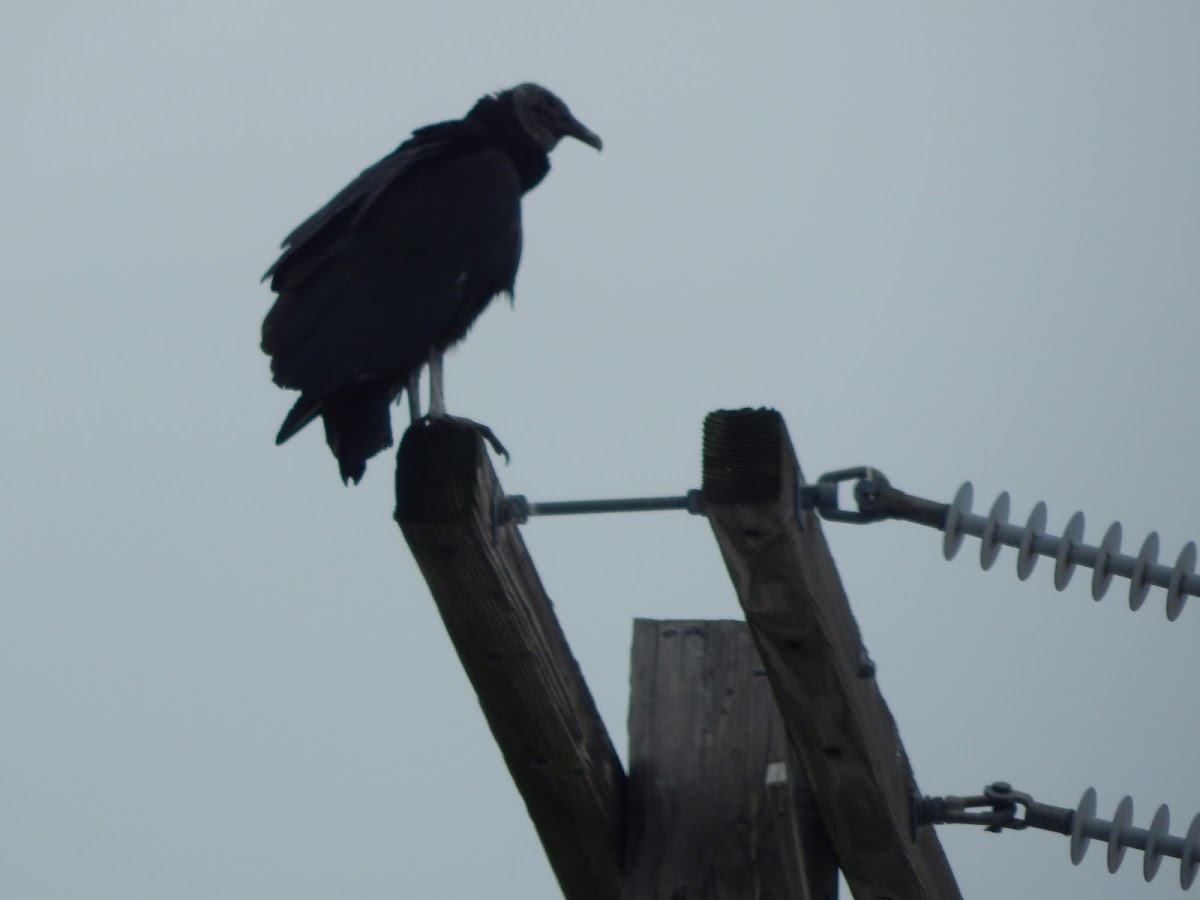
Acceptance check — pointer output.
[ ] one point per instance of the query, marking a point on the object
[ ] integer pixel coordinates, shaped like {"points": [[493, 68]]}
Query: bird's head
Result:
{"points": [[547, 120]]}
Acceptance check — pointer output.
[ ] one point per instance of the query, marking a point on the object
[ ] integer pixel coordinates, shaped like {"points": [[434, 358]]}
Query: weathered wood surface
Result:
{"points": [[510, 643], [810, 645], [703, 730]]}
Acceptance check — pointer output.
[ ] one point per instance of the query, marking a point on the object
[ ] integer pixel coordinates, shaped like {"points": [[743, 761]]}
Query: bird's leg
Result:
{"points": [[412, 388], [437, 405], [437, 388]]}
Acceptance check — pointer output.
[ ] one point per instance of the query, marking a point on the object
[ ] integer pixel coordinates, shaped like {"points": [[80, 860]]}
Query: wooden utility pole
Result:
{"points": [[813, 654], [512, 648], [703, 734], [717, 807]]}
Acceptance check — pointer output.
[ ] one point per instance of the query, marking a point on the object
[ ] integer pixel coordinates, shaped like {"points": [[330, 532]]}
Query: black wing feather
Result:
{"points": [[398, 266], [356, 198]]}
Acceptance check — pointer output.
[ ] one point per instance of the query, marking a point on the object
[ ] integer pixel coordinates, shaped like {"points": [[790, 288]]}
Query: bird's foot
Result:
{"points": [[479, 428]]}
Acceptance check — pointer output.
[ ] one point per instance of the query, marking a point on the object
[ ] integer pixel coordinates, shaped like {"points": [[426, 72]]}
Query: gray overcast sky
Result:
{"points": [[950, 240]]}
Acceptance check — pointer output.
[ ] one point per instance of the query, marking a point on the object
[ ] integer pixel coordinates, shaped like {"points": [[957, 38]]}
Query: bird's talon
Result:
{"points": [[484, 432]]}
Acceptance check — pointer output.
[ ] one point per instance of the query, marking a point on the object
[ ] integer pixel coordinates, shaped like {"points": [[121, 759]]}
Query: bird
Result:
{"points": [[395, 269]]}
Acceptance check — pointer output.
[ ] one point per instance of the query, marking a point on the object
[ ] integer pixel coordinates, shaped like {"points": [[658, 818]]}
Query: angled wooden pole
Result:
{"points": [[513, 650], [705, 737], [812, 651]]}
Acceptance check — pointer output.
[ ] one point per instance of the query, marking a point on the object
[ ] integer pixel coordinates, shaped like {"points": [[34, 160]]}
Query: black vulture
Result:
{"points": [[396, 267]]}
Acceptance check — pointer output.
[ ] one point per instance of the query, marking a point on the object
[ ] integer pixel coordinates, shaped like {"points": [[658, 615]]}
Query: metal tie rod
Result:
{"points": [[517, 508]]}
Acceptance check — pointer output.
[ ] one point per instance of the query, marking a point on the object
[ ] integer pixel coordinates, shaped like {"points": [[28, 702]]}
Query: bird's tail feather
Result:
{"points": [[357, 426], [306, 409]]}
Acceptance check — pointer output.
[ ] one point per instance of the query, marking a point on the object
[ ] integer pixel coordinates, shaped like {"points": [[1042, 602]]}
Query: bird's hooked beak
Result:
{"points": [[572, 127]]}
